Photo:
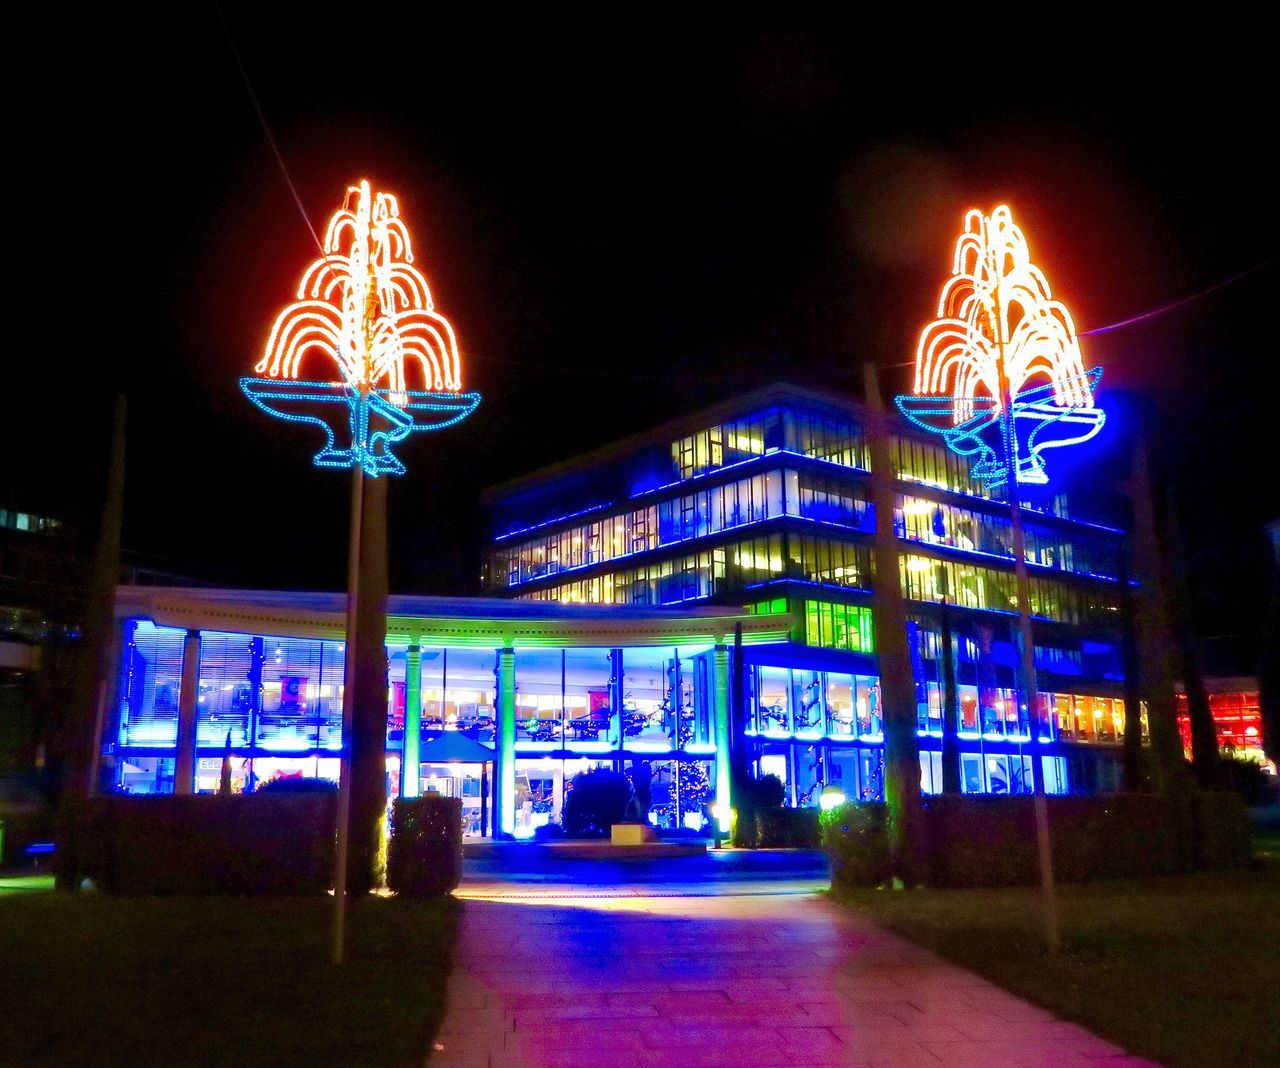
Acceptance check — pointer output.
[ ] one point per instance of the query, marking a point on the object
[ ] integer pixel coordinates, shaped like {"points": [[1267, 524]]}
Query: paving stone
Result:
{"points": [[738, 980]]}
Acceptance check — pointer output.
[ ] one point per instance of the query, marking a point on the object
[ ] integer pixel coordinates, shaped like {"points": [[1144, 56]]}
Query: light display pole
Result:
{"points": [[999, 375], [363, 314]]}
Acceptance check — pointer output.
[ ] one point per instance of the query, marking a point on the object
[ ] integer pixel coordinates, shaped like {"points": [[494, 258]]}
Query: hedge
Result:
{"points": [[425, 858], [210, 844], [991, 841], [779, 828], [1222, 830]]}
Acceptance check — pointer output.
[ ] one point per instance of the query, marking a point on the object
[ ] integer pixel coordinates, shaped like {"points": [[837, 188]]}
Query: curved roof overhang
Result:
{"points": [[452, 622]]}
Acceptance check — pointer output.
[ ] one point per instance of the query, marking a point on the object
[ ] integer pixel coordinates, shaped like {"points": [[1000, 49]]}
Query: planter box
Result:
{"points": [[632, 834]]}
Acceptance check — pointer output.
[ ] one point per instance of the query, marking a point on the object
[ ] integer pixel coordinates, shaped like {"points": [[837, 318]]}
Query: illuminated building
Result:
{"points": [[764, 500], [616, 582]]}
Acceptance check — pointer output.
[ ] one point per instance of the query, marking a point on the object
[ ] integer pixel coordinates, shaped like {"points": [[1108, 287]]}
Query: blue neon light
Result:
{"points": [[1039, 423], [375, 420]]}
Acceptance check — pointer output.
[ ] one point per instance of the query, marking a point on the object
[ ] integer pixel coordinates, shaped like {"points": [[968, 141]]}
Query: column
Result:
{"points": [[505, 744], [184, 768], [411, 754], [720, 728]]}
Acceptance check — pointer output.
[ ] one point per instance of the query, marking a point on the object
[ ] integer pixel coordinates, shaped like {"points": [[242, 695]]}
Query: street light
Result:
{"points": [[364, 314], [1000, 376]]}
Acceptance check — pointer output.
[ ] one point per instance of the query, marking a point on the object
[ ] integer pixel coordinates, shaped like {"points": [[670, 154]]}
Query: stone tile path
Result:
{"points": [[544, 978]]}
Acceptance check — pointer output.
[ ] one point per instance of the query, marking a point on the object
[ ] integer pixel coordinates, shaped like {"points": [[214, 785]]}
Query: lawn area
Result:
{"points": [[1183, 970], [92, 979]]}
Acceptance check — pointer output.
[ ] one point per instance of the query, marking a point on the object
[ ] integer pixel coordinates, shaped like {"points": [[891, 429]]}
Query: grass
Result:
{"points": [[91, 979], [1181, 970]]}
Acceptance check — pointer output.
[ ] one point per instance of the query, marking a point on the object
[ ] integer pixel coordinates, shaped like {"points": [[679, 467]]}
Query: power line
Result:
{"points": [[1180, 302], [262, 119]]}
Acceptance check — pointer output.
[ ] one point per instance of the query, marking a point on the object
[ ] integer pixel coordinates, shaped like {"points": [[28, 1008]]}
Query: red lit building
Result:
{"points": [[1237, 717]]}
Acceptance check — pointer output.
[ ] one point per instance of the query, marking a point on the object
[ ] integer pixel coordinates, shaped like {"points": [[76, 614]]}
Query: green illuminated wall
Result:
{"points": [[839, 626]]}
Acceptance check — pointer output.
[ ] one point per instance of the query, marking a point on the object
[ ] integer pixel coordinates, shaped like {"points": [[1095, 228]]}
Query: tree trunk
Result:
{"points": [[82, 737], [369, 719], [1206, 763], [1153, 621], [897, 689]]}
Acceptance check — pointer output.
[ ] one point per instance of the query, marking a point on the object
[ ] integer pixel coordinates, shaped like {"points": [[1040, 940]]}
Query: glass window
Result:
{"points": [[773, 704], [151, 675], [930, 771], [840, 707]]}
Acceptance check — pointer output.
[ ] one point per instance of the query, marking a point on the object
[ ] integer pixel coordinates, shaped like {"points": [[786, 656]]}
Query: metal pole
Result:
{"points": [[337, 940], [1026, 640]]}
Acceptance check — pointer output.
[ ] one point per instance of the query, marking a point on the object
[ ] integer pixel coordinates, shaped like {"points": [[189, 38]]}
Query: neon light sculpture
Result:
{"points": [[364, 311], [1001, 337]]}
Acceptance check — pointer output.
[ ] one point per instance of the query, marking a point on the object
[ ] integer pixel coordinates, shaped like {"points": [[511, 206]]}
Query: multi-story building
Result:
{"points": [[682, 604], [764, 500]]}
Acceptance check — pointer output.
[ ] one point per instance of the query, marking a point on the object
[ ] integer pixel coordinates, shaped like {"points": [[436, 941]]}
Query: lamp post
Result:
{"points": [[364, 311], [1026, 638], [974, 383]]}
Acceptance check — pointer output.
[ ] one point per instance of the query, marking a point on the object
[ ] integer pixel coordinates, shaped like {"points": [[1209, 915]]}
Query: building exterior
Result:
{"points": [[42, 605], [764, 500], [505, 700], [685, 605]]}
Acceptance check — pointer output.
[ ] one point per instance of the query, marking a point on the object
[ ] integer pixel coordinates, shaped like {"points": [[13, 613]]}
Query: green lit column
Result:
{"points": [[720, 710], [411, 754], [505, 743]]}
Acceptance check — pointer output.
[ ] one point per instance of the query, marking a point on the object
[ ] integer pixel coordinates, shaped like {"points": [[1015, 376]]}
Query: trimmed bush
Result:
{"points": [[991, 841], [784, 828], [594, 801], [1247, 778], [755, 800], [208, 844], [425, 858], [854, 837], [297, 785]]}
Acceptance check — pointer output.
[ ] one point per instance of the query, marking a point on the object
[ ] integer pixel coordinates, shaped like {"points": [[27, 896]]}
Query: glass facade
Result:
{"points": [[1237, 719], [938, 523], [966, 585]]}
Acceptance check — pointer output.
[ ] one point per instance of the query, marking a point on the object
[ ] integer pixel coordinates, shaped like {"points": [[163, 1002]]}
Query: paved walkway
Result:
{"points": [[744, 975]]}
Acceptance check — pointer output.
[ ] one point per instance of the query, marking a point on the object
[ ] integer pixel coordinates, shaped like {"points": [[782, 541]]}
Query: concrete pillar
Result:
{"points": [[411, 756], [720, 726], [184, 768], [505, 744]]}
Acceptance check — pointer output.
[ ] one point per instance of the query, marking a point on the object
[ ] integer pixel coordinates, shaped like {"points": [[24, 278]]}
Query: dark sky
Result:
{"points": [[623, 222]]}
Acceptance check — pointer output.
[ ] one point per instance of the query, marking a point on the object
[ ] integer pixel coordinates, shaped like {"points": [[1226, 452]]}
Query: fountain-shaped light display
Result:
{"points": [[999, 333], [364, 312]]}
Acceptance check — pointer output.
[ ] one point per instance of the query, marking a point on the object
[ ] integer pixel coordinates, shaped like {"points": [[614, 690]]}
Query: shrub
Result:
{"points": [[753, 798], [209, 844], [594, 801], [425, 858], [856, 843], [297, 785], [787, 828], [1247, 778]]}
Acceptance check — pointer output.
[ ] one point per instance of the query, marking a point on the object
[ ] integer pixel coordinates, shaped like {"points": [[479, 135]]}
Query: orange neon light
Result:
{"points": [[366, 307], [997, 295]]}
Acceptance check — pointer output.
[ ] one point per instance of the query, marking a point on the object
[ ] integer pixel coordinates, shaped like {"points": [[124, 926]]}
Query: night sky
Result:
{"points": [[623, 222]]}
